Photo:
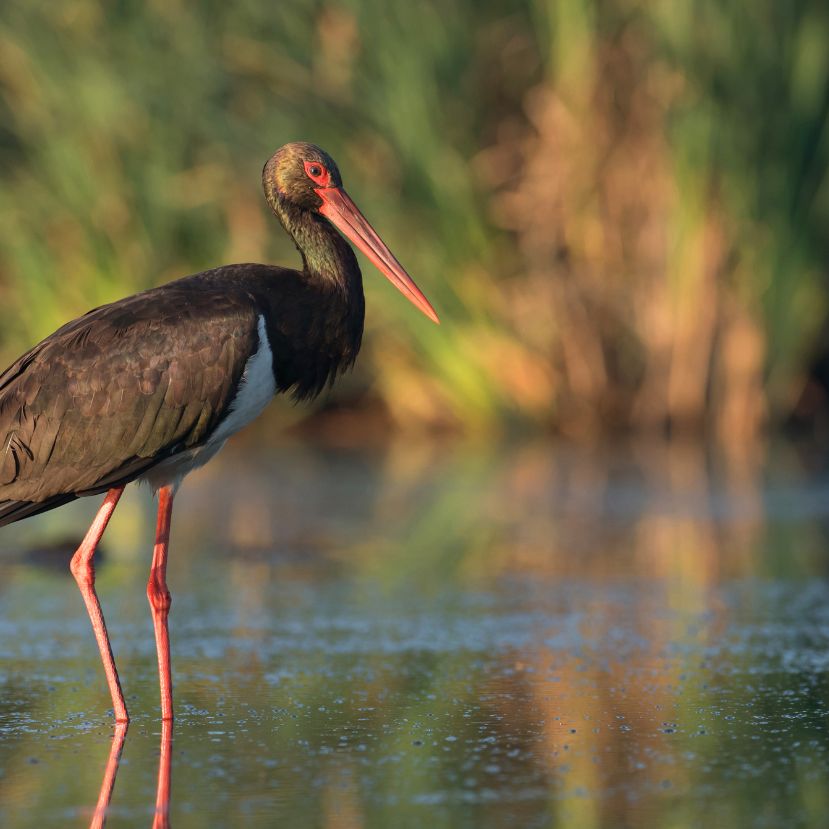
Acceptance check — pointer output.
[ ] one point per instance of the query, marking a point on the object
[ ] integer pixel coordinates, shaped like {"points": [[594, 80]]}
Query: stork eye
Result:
{"points": [[317, 173]]}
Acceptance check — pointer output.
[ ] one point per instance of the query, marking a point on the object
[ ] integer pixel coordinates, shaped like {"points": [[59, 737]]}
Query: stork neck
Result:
{"points": [[326, 257], [328, 311]]}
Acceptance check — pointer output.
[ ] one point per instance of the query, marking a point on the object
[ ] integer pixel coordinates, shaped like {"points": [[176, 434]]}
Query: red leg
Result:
{"points": [[160, 599], [84, 572]]}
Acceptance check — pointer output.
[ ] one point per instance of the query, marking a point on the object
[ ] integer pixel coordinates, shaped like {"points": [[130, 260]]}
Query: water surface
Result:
{"points": [[442, 636]]}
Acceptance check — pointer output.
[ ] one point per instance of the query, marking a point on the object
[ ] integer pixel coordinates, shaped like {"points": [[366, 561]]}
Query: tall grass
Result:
{"points": [[619, 207]]}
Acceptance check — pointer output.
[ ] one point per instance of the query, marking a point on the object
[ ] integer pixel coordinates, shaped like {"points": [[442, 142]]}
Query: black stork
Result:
{"points": [[151, 386]]}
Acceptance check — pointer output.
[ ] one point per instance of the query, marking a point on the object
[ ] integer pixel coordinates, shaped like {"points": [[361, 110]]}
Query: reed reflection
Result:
{"points": [[532, 637]]}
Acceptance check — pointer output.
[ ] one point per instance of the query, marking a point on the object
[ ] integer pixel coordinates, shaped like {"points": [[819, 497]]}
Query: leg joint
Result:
{"points": [[159, 596], [82, 569]]}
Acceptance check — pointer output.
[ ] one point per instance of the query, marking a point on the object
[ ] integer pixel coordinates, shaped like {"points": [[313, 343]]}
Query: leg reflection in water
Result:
{"points": [[162, 794], [108, 783], [161, 818]]}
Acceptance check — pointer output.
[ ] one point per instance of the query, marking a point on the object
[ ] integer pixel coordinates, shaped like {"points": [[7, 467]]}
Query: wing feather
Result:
{"points": [[113, 393]]}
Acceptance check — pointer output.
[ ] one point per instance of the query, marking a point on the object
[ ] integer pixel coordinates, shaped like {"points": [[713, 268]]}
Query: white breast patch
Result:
{"points": [[256, 389]]}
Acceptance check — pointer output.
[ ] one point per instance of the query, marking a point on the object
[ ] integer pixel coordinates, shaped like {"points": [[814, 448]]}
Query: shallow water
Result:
{"points": [[437, 636]]}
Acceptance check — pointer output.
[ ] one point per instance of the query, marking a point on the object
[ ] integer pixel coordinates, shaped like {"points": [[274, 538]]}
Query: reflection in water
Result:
{"points": [[162, 799], [165, 758], [534, 637], [111, 769]]}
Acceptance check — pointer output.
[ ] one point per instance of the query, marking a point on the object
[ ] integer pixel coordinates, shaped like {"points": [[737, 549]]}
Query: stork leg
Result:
{"points": [[84, 572], [160, 599]]}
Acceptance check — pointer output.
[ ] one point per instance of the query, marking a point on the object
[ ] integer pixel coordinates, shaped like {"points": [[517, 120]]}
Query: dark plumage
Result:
{"points": [[115, 392], [152, 385]]}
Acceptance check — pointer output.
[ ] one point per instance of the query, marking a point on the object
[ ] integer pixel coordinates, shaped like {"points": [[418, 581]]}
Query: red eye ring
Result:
{"points": [[317, 173]]}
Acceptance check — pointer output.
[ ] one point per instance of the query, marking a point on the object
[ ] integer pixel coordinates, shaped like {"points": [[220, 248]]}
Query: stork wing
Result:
{"points": [[115, 392]]}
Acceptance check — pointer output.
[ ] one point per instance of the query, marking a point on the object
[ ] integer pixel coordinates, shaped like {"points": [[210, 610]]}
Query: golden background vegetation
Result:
{"points": [[620, 208]]}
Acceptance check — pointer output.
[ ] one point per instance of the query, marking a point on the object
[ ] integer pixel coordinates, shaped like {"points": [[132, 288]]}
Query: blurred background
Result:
{"points": [[619, 208]]}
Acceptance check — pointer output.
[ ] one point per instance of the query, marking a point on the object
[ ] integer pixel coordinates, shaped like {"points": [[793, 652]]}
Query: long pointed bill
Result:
{"points": [[338, 208]]}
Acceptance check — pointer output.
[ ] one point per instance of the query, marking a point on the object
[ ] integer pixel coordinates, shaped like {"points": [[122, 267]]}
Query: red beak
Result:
{"points": [[338, 208]]}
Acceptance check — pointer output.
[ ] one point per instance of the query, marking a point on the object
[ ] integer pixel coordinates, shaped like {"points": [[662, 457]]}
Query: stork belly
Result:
{"points": [[173, 469], [256, 389]]}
